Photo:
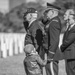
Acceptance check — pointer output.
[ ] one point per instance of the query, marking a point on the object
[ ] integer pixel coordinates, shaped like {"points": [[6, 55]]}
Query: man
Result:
{"points": [[34, 33], [68, 45], [34, 30], [51, 39]]}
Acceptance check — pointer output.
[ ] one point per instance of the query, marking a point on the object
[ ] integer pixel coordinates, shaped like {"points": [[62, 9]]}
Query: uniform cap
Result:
{"points": [[30, 10], [50, 6]]}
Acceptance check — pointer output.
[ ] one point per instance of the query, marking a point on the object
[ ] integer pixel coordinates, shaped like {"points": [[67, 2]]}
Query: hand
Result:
{"points": [[62, 50], [49, 60], [46, 50]]}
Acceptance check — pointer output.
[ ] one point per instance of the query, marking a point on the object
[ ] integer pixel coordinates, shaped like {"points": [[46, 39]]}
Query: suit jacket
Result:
{"points": [[52, 38], [68, 46], [34, 35]]}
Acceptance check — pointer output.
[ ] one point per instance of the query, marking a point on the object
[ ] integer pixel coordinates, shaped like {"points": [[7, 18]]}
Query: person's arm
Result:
{"points": [[33, 33], [28, 38], [54, 32], [69, 40], [37, 35], [25, 68], [25, 23], [40, 61]]}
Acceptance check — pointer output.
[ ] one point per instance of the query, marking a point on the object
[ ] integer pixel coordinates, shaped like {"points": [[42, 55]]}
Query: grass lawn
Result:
{"points": [[14, 66]]}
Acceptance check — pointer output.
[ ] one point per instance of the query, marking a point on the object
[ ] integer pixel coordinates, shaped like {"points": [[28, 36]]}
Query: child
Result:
{"points": [[33, 62]]}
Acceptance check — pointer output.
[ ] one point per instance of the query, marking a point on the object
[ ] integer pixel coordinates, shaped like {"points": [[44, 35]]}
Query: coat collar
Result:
{"points": [[31, 22], [72, 26]]}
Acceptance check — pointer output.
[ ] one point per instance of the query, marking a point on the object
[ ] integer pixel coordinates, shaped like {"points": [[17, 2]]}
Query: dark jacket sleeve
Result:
{"points": [[31, 34], [28, 39], [69, 40], [54, 32], [40, 61], [37, 35]]}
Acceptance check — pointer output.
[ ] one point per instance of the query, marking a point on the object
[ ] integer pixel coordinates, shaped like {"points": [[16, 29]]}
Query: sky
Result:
{"points": [[31, 1], [43, 2], [40, 0], [4, 4]]}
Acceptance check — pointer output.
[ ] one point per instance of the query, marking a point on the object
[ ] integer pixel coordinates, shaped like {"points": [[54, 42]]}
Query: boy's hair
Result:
{"points": [[28, 48]]}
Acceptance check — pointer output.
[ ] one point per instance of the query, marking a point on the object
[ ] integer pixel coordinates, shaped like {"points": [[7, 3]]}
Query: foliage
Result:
{"points": [[13, 21]]}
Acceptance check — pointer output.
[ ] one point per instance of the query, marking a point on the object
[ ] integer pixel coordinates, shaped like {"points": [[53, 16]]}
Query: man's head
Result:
{"points": [[52, 11], [68, 14], [30, 14]]}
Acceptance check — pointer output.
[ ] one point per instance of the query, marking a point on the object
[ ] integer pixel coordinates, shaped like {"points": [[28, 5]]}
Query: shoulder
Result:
{"points": [[55, 23], [72, 30], [35, 24], [36, 56], [55, 20]]}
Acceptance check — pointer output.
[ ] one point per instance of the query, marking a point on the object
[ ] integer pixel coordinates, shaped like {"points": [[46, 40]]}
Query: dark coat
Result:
{"points": [[34, 35], [68, 46], [52, 38]]}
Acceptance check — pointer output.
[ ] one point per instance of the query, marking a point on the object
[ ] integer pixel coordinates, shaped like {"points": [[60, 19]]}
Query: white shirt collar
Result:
{"points": [[72, 26], [31, 22]]}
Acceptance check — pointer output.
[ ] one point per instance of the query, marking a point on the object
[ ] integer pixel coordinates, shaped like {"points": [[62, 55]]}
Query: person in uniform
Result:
{"points": [[68, 45], [51, 39], [34, 33]]}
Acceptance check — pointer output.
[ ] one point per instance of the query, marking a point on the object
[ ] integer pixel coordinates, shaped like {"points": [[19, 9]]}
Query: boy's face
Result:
{"points": [[29, 48]]}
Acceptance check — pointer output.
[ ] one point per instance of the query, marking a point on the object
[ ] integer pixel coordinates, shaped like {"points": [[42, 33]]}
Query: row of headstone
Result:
{"points": [[11, 44]]}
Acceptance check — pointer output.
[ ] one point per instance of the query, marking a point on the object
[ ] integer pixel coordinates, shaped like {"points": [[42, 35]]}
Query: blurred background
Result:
{"points": [[12, 33], [11, 12]]}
